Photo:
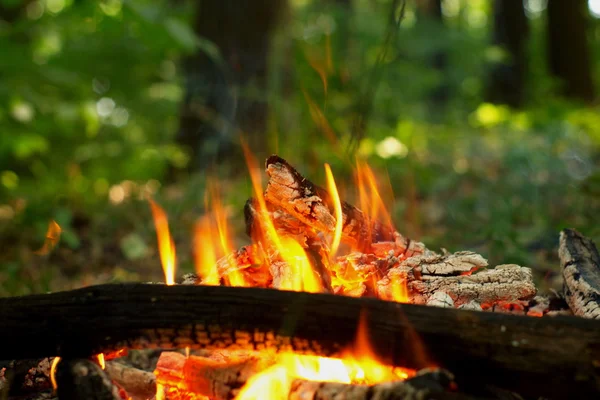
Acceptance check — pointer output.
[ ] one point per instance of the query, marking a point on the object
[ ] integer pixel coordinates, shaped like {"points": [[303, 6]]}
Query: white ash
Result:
{"points": [[441, 299], [471, 305]]}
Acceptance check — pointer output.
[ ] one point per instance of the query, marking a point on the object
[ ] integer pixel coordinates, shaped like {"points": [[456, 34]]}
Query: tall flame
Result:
{"points": [[166, 246], [337, 236], [303, 277], [371, 202]]}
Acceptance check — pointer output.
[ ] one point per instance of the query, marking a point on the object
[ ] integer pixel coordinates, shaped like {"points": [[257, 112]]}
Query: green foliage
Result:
{"points": [[89, 106]]}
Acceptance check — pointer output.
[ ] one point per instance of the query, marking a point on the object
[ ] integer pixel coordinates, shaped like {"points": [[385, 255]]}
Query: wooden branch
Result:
{"points": [[580, 262], [82, 379], [550, 357]]}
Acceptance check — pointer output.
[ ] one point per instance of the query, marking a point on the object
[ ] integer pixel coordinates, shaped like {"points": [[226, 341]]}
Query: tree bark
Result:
{"points": [[223, 100], [553, 357], [507, 80], [568, 52]]}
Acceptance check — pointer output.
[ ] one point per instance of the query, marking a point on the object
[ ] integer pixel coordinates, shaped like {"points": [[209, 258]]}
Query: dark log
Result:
{"points": [[82, 379], [551, 357], [580, 263]]}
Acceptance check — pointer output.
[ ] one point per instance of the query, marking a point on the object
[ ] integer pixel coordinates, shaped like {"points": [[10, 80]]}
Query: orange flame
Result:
{"points": [[358, 365], [51, 240], [166, 246], [371, 202], [337, 236], [53, 372]]}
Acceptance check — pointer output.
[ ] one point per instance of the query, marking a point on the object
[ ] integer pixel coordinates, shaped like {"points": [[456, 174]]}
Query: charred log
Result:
{"points": [[552, 357], [580, 262]]}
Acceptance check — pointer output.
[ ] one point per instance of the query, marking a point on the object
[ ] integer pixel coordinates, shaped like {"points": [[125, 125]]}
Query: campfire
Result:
{"points": [[326, 301]]}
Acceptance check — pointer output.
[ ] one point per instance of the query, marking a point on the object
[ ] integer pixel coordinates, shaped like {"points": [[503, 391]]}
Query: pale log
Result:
{"points": [[580, 262], [552, 357], [136, 382]]}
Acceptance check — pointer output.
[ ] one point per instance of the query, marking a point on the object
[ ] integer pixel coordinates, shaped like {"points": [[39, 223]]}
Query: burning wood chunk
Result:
{"points": [[580, 262], [218, 378], [422, 386], [459, 263], [508, 282], [313, 205], [81, 379]]}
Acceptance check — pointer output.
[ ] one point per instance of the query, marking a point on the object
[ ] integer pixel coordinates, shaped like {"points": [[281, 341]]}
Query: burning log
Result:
{"points": [[427, 384], [216, 379], [551, 357], [580, 261], [222, 380], [313, 205], [503, 283], [82, 379]]}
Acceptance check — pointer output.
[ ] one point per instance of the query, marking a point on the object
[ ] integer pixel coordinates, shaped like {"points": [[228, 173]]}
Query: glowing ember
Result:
{"points": [[166, 246]]}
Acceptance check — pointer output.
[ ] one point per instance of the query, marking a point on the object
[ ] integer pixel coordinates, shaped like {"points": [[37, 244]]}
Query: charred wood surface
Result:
{"points": [[82, 379], [549, 357], [580, 262]]}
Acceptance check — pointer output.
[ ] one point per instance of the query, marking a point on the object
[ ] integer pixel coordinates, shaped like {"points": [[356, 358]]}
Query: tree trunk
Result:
{"points": [[430, 12], [507, 79], [568, 53], [223, 101]]}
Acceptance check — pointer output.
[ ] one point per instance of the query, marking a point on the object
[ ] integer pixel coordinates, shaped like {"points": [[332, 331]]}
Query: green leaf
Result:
{"points": [[182, 33]]}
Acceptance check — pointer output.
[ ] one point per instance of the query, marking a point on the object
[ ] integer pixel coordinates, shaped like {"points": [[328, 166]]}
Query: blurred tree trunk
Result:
{"points": [[430, 12], [568, 52], [507, 79], [223, 100]]}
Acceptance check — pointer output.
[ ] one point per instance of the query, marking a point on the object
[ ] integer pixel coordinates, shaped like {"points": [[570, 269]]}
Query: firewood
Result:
{"points": [[427, 384], [82, 379], [313, 205], [580, 262], [137, 383], [552, 357], [216, 379], [23, 377], [508, 282]]}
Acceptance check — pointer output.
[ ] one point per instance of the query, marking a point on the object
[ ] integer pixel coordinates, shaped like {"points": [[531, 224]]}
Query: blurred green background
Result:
{"points": [[481, 118]]}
